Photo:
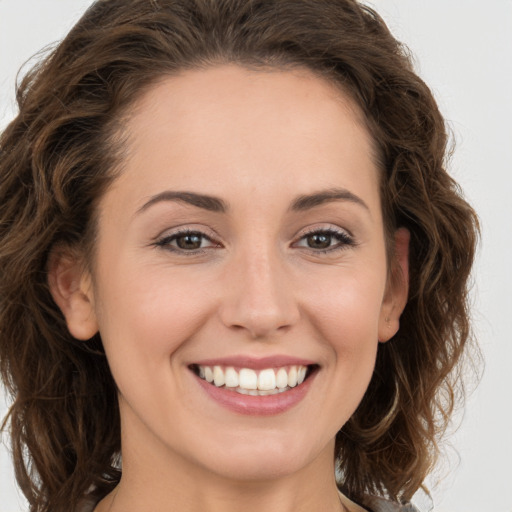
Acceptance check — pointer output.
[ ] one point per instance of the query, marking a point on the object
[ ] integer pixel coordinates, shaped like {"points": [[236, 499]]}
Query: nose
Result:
{"points": [[259, 297]]}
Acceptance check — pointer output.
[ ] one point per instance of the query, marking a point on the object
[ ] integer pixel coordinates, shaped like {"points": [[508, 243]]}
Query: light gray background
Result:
{"points": [[463, 50]]}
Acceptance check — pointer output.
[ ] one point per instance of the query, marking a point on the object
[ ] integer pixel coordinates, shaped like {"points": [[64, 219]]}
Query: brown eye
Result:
{"points": [[190, 241], [325, 240], [319, 240]]}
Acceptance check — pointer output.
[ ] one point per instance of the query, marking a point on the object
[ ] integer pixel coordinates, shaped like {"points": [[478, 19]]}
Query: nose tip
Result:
{"points": [[261, 321], [260, 300]]}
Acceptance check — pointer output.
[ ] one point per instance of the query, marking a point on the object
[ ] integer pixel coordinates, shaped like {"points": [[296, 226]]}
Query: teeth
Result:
{"points": [[281, 378], [208, 374], [301, 374], [247, 381], [292, 377], [257, 392], [231, 377], [218, 376], [267, 380]]}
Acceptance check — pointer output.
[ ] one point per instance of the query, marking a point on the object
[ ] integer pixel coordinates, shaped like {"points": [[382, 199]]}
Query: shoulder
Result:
{"points": [[376, 504], [87, 505]]}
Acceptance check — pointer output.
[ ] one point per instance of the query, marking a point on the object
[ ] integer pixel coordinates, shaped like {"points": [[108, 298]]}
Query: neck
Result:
{"points": [[157, 478], [179, 486]]}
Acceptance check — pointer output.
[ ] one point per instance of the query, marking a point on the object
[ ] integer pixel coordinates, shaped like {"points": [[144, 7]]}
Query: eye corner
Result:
{"points": [[187, 241], [323, 238]]}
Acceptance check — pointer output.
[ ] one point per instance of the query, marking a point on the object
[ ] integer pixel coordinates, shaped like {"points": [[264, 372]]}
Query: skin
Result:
{"points": [[257, 140]]}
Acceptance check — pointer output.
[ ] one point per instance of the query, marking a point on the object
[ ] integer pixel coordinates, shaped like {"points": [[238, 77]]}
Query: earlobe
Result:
{"points": [[398, 287], [71, 289]]}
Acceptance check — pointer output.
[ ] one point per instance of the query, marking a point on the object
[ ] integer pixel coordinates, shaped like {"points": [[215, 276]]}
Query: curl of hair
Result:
{"points": [[58, 156]]}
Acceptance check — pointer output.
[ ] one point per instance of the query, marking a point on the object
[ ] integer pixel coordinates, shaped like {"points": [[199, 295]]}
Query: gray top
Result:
{"points": [[375, 504], [372, 503]]}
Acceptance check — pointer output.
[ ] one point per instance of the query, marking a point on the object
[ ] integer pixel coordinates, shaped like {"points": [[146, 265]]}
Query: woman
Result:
{"points": [[233, 266]]}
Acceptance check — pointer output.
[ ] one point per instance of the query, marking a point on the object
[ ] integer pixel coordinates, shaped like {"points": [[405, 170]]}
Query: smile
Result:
{"points": [[247, 381], [255, 386]]}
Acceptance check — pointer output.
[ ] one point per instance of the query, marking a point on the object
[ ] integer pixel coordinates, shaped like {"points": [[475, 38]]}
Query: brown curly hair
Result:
{"points": [[58, 156]]}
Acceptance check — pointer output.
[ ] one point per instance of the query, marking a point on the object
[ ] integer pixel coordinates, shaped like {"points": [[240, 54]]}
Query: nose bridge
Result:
{"points": [[261, 298]]}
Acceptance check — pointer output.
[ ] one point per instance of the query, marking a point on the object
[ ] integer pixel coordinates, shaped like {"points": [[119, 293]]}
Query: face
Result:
{"points": [[244, 233]]}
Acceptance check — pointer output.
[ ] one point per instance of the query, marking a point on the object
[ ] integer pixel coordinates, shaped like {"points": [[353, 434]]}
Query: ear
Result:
{"points": [[71, 289], [397, 288]]}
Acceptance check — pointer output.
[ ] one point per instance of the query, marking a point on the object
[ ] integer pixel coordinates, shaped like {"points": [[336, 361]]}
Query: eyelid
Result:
{"points": [[347, 237], [344, 238], [163, 239], [187, 228], [323, 228]]}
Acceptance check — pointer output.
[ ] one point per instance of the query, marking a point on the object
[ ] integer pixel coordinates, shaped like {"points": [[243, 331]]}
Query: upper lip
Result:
{"points": [[255, 363]]}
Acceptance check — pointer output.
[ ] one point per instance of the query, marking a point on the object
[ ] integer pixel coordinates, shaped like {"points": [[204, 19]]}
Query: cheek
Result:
{"points": [[144, 317], [347, 305], [346, 314]]}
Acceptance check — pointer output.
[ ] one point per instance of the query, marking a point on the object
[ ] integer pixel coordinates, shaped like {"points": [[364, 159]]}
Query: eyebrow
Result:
{"points": [[306, 202], [215, 204], [210, 203]]}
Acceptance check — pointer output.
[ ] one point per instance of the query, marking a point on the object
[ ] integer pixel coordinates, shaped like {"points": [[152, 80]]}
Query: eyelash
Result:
{"points": [[344, 240], [165, 242]]}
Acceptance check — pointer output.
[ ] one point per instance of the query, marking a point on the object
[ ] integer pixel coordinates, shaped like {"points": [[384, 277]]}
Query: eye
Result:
{"points": [[325, 240], [186, 241]]}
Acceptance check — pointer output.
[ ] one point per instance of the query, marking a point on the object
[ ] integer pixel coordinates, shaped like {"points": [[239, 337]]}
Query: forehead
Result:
{"points": [[234, 93], [206, 129]]}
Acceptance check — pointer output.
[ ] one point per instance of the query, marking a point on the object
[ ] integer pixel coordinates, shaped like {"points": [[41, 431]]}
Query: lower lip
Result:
{"points": [[257, 405]]}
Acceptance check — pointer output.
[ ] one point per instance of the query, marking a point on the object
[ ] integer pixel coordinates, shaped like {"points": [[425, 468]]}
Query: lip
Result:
{"points": [[255, 363], [267, 405]]}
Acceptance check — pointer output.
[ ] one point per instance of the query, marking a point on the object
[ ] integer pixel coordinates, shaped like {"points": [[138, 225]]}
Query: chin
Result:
{"points": [[257, 469], [264, 460]]}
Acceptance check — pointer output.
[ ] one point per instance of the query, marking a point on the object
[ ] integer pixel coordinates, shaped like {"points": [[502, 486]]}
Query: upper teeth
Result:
{"points": [[247, 378]]}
